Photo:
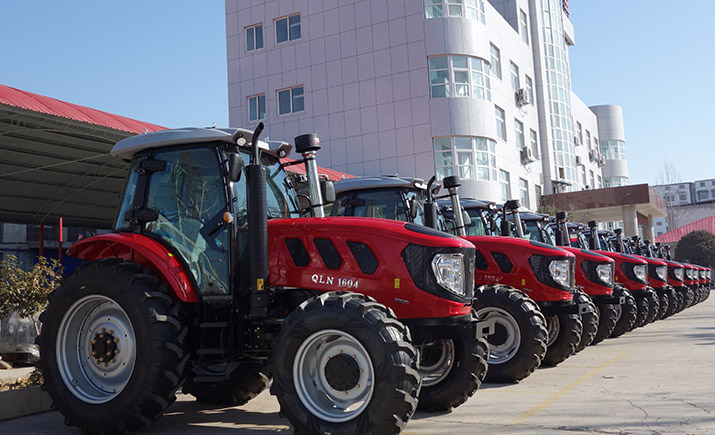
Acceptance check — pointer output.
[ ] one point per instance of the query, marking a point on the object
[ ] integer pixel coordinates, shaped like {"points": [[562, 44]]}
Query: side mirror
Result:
{"points": [[235, 167], [327, 191], [466, 218], [412, 208]]}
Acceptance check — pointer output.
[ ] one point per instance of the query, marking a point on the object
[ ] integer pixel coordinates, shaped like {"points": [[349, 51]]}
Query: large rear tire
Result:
{"points": [[664, 303], [626, 313], [589, 321], [519, 342], [564, 335], [451, 372], [343, 364], [112, 347], [643, 307], [607, 319], [245, 383], [653, 306], [673, 301]]}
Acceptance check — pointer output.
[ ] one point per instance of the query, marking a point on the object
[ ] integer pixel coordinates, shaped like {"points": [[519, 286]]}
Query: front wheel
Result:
{"points": [[589, 321], [653, 306], [343, 364], [626, 313], [519, 341], [451, 372], [111, 347], [564, 335], [607, 318]]}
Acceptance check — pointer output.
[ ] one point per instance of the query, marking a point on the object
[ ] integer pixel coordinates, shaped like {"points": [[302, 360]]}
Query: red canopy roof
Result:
{"points": [[331, 174], [40, 103], [706, 224]]}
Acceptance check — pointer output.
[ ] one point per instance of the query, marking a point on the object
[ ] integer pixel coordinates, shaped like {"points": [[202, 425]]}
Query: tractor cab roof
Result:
{"points": [[127, 148], [528, 216], [379, 182], [469, 203]]}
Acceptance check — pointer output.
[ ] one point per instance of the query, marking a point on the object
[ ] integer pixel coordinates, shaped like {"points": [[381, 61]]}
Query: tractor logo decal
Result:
{"points": [[339, 281]]}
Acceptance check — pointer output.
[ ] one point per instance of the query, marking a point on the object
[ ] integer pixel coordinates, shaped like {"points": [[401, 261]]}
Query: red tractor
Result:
{"points": [[211, 279], [543, 273]]}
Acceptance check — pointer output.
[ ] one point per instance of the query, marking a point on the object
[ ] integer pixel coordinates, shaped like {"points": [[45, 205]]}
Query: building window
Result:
{"points": [[600, 182], [496, 60], [534, 143], [290, 100], [524, 193], [501, 123], [254, 37], [523, 26], [593, 179], [616, 182], [530, 89], [683, 197], [288, 28], [473, 158], [579, 133], [257, 107], [613, 149], [702, 184], [505, 185], [514, 73], [702, 195], [713, 193], [588, 139], [472, 9], [459, 76], [519, 131]]}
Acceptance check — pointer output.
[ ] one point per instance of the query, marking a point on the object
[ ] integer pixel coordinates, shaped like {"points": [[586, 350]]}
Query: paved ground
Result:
{"points": [[659, 379]]}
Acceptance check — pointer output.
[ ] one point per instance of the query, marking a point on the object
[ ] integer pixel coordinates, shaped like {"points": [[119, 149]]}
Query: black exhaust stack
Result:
{"points": [[512, 206], [308, 145], [451, 183], [430, 208], [619, 240], [257, 229], [595, 242], [562, 230]]}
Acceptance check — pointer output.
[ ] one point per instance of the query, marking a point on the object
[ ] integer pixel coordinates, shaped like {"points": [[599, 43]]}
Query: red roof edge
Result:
{"points": [[705, 224]]}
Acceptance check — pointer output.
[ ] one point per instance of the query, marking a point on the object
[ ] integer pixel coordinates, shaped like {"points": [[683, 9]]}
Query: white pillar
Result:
{"points": [[630, 221], [648, 233]]}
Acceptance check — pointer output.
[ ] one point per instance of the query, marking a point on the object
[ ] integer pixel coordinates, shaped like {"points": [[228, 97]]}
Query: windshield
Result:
{"points": [[279, 192], [533, 231], [380, 203]]}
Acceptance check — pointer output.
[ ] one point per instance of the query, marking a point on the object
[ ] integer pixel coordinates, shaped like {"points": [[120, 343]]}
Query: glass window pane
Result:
{"points": [[461, 90], [295, 27], [438, 77], [482, 159], [442, 144], [250, 39], [284, 102], [465, 172], [440, 91], [463, 143], [259, 37], [461, 76], [482, 173], [282, 30], [262, 107], [252, 109], [439, 62], [298, 99], [460, 62], [455, 11]]}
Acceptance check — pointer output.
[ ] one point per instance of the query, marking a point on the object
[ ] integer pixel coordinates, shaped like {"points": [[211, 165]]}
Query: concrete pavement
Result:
{"points": [[659, 379]]}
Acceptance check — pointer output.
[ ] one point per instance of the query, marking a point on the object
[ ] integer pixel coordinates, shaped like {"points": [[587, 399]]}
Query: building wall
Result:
{"points": [[367, 68], [585, 141]]}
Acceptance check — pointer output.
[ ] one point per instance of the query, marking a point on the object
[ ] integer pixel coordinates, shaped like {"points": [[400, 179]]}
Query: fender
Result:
{"points": [[142, 250]]}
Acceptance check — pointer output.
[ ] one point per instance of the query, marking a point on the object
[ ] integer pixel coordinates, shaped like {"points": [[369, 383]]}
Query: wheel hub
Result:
{"points": [[104, 347], [500, 336], [342, 372]]}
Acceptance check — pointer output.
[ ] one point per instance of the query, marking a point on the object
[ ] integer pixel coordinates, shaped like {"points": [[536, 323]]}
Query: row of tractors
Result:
{"points": [[221, 280]]}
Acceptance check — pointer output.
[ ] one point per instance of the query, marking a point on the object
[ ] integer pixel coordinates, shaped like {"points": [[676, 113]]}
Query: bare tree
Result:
{"points": [[669, 174]]}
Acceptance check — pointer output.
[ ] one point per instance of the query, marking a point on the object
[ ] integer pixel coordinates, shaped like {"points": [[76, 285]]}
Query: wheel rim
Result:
{"points": [[506, 340], [619, 312], [553, 325], [436, 361], [333, 375], [96, 349]]}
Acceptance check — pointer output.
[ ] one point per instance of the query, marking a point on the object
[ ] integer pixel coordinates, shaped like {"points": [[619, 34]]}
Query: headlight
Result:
{"points": [[639, 272], [702, 274], [679, 273], [707, 274], [662, 272], [449, 270], [605, 273], [560, 272], [689, 273]]}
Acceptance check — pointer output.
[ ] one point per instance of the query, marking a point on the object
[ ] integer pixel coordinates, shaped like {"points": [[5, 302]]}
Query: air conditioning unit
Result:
{"points": [[577, 140], [578, 160], [602, 161], [591, 156], [527, 156], [522, 97]]}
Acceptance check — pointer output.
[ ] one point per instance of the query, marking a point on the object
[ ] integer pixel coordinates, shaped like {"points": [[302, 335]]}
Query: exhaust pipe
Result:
{"points": [[595, 241], [257, 229], [451, 183], [562, 230], [619, 239], [308, 145], [512, 206], [430, 208]]}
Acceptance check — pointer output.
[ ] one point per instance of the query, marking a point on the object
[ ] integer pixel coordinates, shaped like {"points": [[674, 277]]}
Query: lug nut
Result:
{"points": [[116, 351]]}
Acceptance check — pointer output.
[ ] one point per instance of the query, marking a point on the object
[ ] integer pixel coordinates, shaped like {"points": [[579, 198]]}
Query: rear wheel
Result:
{"points": [[589, 321], [451, 372], [564, 335], [343, 364], [672, 302], [519, 341], [642, 305], [245, 382], [607, 319], [111, 347], [626, 313], [664, 303]]}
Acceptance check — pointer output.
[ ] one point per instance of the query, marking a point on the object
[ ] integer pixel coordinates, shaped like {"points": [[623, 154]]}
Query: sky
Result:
{"points": [[164, 62]]}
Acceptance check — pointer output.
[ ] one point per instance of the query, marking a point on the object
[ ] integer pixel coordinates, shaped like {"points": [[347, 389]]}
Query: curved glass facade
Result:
{"points": [[472, 9], [613, 149], [472, 158], [615, 181], [558, 91], [459, 76]]}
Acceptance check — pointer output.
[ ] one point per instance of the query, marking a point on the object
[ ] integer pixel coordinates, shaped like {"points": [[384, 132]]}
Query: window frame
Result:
{"points": [[257, 98], [524, 193], [289, 25], [495, 59], [500, 116], [447, 159], [505, 184], [514, 76], [519, 134], [524, 26], [292, 99], [477, 84], [254, 28]]}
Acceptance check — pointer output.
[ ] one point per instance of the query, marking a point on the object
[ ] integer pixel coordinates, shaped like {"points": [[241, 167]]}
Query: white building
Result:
{"points": [[687, 202], [417, 87]]}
